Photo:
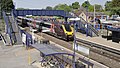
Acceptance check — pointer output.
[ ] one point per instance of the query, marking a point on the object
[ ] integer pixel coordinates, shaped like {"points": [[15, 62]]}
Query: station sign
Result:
{"points": [[24, 38], [82, 49]]}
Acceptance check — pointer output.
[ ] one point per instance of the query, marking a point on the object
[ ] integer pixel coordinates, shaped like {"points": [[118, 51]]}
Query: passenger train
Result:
{"points": [[62, 30]]}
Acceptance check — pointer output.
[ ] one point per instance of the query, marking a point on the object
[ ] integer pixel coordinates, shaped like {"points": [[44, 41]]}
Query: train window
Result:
{"points": [[60, 27], [67, 27]]}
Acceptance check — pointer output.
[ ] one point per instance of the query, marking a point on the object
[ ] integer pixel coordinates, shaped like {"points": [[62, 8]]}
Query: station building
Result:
{"points": [[88, 16]]}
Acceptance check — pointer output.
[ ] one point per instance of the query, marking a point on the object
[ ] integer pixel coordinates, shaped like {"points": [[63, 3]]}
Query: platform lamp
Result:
{"points": [[94, 16], [31, 28], [74, 19]]}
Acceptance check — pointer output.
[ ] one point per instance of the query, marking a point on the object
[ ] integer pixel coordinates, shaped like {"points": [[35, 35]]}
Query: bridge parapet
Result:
{"points": [[61, 13]]}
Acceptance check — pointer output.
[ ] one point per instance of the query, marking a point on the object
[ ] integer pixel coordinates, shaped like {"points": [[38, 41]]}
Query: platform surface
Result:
{"points": [[99, 40], [96, 64]]}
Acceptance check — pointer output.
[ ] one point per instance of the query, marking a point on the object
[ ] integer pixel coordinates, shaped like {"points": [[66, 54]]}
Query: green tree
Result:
{"points": [[64, 7], [49, 8], [75, 5], [98, 7], [91, 8], [115, 10], [116, 3], [115, 7], [7, 5], [70, 6], [108, 5], [86, 4]]}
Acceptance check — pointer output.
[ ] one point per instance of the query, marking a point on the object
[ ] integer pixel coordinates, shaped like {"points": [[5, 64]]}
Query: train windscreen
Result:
{"points": [[67, 27]]}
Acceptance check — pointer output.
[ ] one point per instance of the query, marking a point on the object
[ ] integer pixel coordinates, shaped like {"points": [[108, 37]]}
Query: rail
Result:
{"points": [[99, 46], [90, 27], [93, 29], [3, 38]]}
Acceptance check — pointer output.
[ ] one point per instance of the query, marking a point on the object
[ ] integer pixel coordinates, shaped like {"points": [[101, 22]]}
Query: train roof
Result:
{"points": [[30, 19]]}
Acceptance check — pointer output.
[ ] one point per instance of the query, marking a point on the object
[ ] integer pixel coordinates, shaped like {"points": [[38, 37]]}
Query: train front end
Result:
{"points": [[68, 30]]}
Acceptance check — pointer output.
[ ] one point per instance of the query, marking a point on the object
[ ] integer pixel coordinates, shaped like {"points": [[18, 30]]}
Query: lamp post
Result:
{"points": [[86, 25], [31, 28], [74, 42], [94, 15], [0, 10], [87, 11], [74, 46]]}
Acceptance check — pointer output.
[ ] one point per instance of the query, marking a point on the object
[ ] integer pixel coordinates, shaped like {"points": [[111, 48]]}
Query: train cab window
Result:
{"points": [[67, 27], [61, 28]]}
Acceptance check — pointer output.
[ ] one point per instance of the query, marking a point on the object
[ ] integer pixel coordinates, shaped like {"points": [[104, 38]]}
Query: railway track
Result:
{"points": [[108, 52], [102, 51], [99, 46]]}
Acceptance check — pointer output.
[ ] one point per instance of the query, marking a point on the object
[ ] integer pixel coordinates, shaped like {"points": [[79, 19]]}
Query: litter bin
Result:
{"points": [[44, 41], [79, 65]]}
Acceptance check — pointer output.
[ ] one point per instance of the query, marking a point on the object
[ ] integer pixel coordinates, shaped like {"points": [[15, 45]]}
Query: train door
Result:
{"points": [[52, 28], [62, 31], [56, 29]]}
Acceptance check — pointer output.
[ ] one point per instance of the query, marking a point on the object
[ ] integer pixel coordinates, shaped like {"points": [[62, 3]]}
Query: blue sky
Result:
{"points": [[39, 4]]}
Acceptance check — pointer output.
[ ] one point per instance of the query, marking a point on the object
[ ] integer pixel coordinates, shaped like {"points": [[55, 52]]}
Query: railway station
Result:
{"points": [[43, 38]]}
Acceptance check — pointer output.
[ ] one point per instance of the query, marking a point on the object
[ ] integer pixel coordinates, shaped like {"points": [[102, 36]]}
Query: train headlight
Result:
{"points": [[66, 33]]}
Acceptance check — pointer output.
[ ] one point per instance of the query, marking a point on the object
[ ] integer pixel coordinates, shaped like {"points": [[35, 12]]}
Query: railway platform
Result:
{"points": [[99, 40], [96, 64]]}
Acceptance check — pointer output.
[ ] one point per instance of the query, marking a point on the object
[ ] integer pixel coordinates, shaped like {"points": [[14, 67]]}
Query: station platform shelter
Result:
{"points": [[55, 57], [115, 33]]}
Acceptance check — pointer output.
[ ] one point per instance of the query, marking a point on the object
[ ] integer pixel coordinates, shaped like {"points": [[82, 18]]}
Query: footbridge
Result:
{"points": [[34, 12]]}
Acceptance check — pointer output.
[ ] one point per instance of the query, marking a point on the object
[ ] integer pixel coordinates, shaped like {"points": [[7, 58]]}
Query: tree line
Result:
{"points": [[6, 5], [75, 6], [111, 7]]}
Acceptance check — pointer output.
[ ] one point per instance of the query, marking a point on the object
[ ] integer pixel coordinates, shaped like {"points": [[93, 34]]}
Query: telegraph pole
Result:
{"points": [[0, 10], [94, 15], [87, 11]]}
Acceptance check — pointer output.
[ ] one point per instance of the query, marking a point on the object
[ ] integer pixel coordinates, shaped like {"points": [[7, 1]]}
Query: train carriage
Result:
{"points": [[61, 30]]}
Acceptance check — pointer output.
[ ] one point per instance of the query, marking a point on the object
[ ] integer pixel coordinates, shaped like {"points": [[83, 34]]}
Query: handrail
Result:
{"points": [[3, 38], [93, 29], [5, 19], [90, 26]]}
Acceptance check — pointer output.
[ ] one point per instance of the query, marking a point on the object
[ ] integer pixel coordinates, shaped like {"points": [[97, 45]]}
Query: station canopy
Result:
{"points": [[113, 28], [50, 49]]}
